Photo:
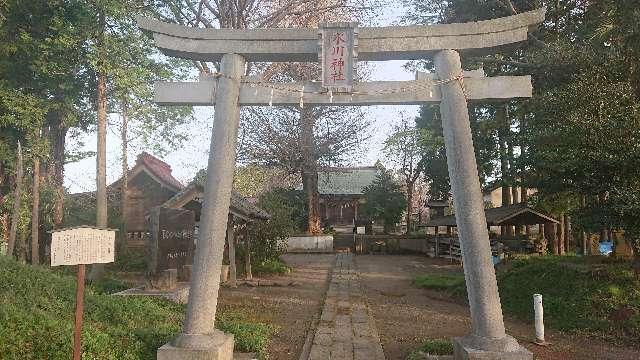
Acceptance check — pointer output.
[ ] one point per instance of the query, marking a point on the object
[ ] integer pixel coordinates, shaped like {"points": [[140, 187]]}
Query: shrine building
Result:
{"points": [[342, 192], [151, 184]]}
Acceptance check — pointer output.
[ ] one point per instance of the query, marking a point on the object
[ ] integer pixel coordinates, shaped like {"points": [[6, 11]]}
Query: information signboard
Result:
{"points": [[82, 245]]}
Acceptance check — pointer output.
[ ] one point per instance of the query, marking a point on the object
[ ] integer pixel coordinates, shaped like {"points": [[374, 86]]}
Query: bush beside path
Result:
{"points": [[37, 318], [395, 300], [595, 296]]}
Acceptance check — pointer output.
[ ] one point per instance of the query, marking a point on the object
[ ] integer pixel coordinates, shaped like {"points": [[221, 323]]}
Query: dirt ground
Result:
{"points": [[291, 309], [406, 315]]}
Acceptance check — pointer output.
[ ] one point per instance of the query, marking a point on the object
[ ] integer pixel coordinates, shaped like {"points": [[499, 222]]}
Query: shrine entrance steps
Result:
{"points": [[346, 330]]}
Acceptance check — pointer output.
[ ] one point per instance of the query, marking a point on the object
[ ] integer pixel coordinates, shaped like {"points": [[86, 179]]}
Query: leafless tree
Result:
{"points": [[290, 138], [403, 149]]}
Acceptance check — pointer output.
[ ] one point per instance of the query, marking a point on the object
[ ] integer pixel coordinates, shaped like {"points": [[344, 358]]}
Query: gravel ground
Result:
{"points": [[406, 315], [291, 309]]}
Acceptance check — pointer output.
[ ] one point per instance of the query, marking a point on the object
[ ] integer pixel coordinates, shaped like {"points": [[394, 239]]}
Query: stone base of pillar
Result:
{"points": [[476, 348], [215, 346]]}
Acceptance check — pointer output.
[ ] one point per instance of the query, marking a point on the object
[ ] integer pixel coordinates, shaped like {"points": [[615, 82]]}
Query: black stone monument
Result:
{"points": [[171, 248]]}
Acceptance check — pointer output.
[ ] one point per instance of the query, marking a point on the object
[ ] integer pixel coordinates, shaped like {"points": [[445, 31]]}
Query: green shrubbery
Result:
{"points": [[432, 347], [268, 238], [130, 260], [36, 319], [601, 298], [272, 267]]}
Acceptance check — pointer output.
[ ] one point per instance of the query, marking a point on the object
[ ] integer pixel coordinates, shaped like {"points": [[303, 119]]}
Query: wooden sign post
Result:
{"points": [[81, 246]]}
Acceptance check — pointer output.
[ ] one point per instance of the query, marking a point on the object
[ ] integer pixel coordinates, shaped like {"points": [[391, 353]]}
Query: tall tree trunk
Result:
{"points": [[515, 199], [101, 154], [410, 187], [35, 213], [4, 217], [515, 195], [560, 235], [310, 170], [4, 225], [604, 233], [57, 134], [552, 237], [17, 197], [586, 251], [97, 270], [124, 185], [232, 252], [501, 118], [568, 233], [247, 254], [524, 197]]}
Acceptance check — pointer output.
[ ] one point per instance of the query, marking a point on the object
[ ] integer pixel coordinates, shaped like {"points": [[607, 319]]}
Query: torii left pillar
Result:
{"points": [[199, 339]]}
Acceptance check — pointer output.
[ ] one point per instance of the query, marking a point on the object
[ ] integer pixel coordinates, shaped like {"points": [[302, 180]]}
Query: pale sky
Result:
{"points": [[185, 162]]}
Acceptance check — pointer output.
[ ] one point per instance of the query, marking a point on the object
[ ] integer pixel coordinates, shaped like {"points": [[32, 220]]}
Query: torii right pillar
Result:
{"points": [[488, 339]]}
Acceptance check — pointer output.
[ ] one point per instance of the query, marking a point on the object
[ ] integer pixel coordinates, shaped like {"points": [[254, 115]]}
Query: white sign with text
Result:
{"points": [[82, 245], [338, 55]]}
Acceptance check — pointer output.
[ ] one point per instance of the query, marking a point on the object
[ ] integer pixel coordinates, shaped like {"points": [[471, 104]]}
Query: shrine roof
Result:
{"points": [[517, 214], [239, 206], [345, 181], [159, 170]]}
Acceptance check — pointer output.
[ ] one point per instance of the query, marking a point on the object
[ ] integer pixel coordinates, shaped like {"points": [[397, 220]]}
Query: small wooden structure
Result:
{"points": [[241, 213], [447, 244], [514, 215], [341, 192]]}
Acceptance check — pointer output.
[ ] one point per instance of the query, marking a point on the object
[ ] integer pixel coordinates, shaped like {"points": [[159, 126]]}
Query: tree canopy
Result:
{"points": [[384, 200], [575, 141]]}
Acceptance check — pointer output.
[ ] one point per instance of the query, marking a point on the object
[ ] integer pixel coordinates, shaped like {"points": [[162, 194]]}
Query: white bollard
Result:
{"points": [[539, 318]]}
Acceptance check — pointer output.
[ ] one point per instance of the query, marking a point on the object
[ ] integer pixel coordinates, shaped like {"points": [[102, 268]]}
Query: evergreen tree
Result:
{"points": [[384, 200]]}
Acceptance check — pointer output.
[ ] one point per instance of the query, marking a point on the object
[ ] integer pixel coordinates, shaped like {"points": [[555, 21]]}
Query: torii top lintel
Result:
{"points": [[375, 43]]}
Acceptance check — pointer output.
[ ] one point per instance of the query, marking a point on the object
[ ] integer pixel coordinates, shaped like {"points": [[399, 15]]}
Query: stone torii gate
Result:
{"points": [[449, 86]]}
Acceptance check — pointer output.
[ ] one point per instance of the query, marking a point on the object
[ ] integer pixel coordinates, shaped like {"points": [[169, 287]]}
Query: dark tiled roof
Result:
{"points": [[345, 181], [159, 168], [518, 214], [239, 204]]}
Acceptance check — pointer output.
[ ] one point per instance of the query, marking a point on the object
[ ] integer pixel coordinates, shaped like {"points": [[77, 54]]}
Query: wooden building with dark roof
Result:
{"points": [[510, 215], [151, 184], [341, 193]]}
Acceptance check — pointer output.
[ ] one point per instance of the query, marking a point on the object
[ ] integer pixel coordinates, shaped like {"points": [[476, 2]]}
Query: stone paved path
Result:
{"points": [[346, 330]]}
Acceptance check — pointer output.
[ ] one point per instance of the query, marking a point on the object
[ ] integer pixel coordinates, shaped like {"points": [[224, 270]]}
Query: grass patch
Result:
{"points": [[36, 319], [439, 282], [272, 267], [130, 260], [249, 337], [109, 285], [432, 347], [580, 294]]}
